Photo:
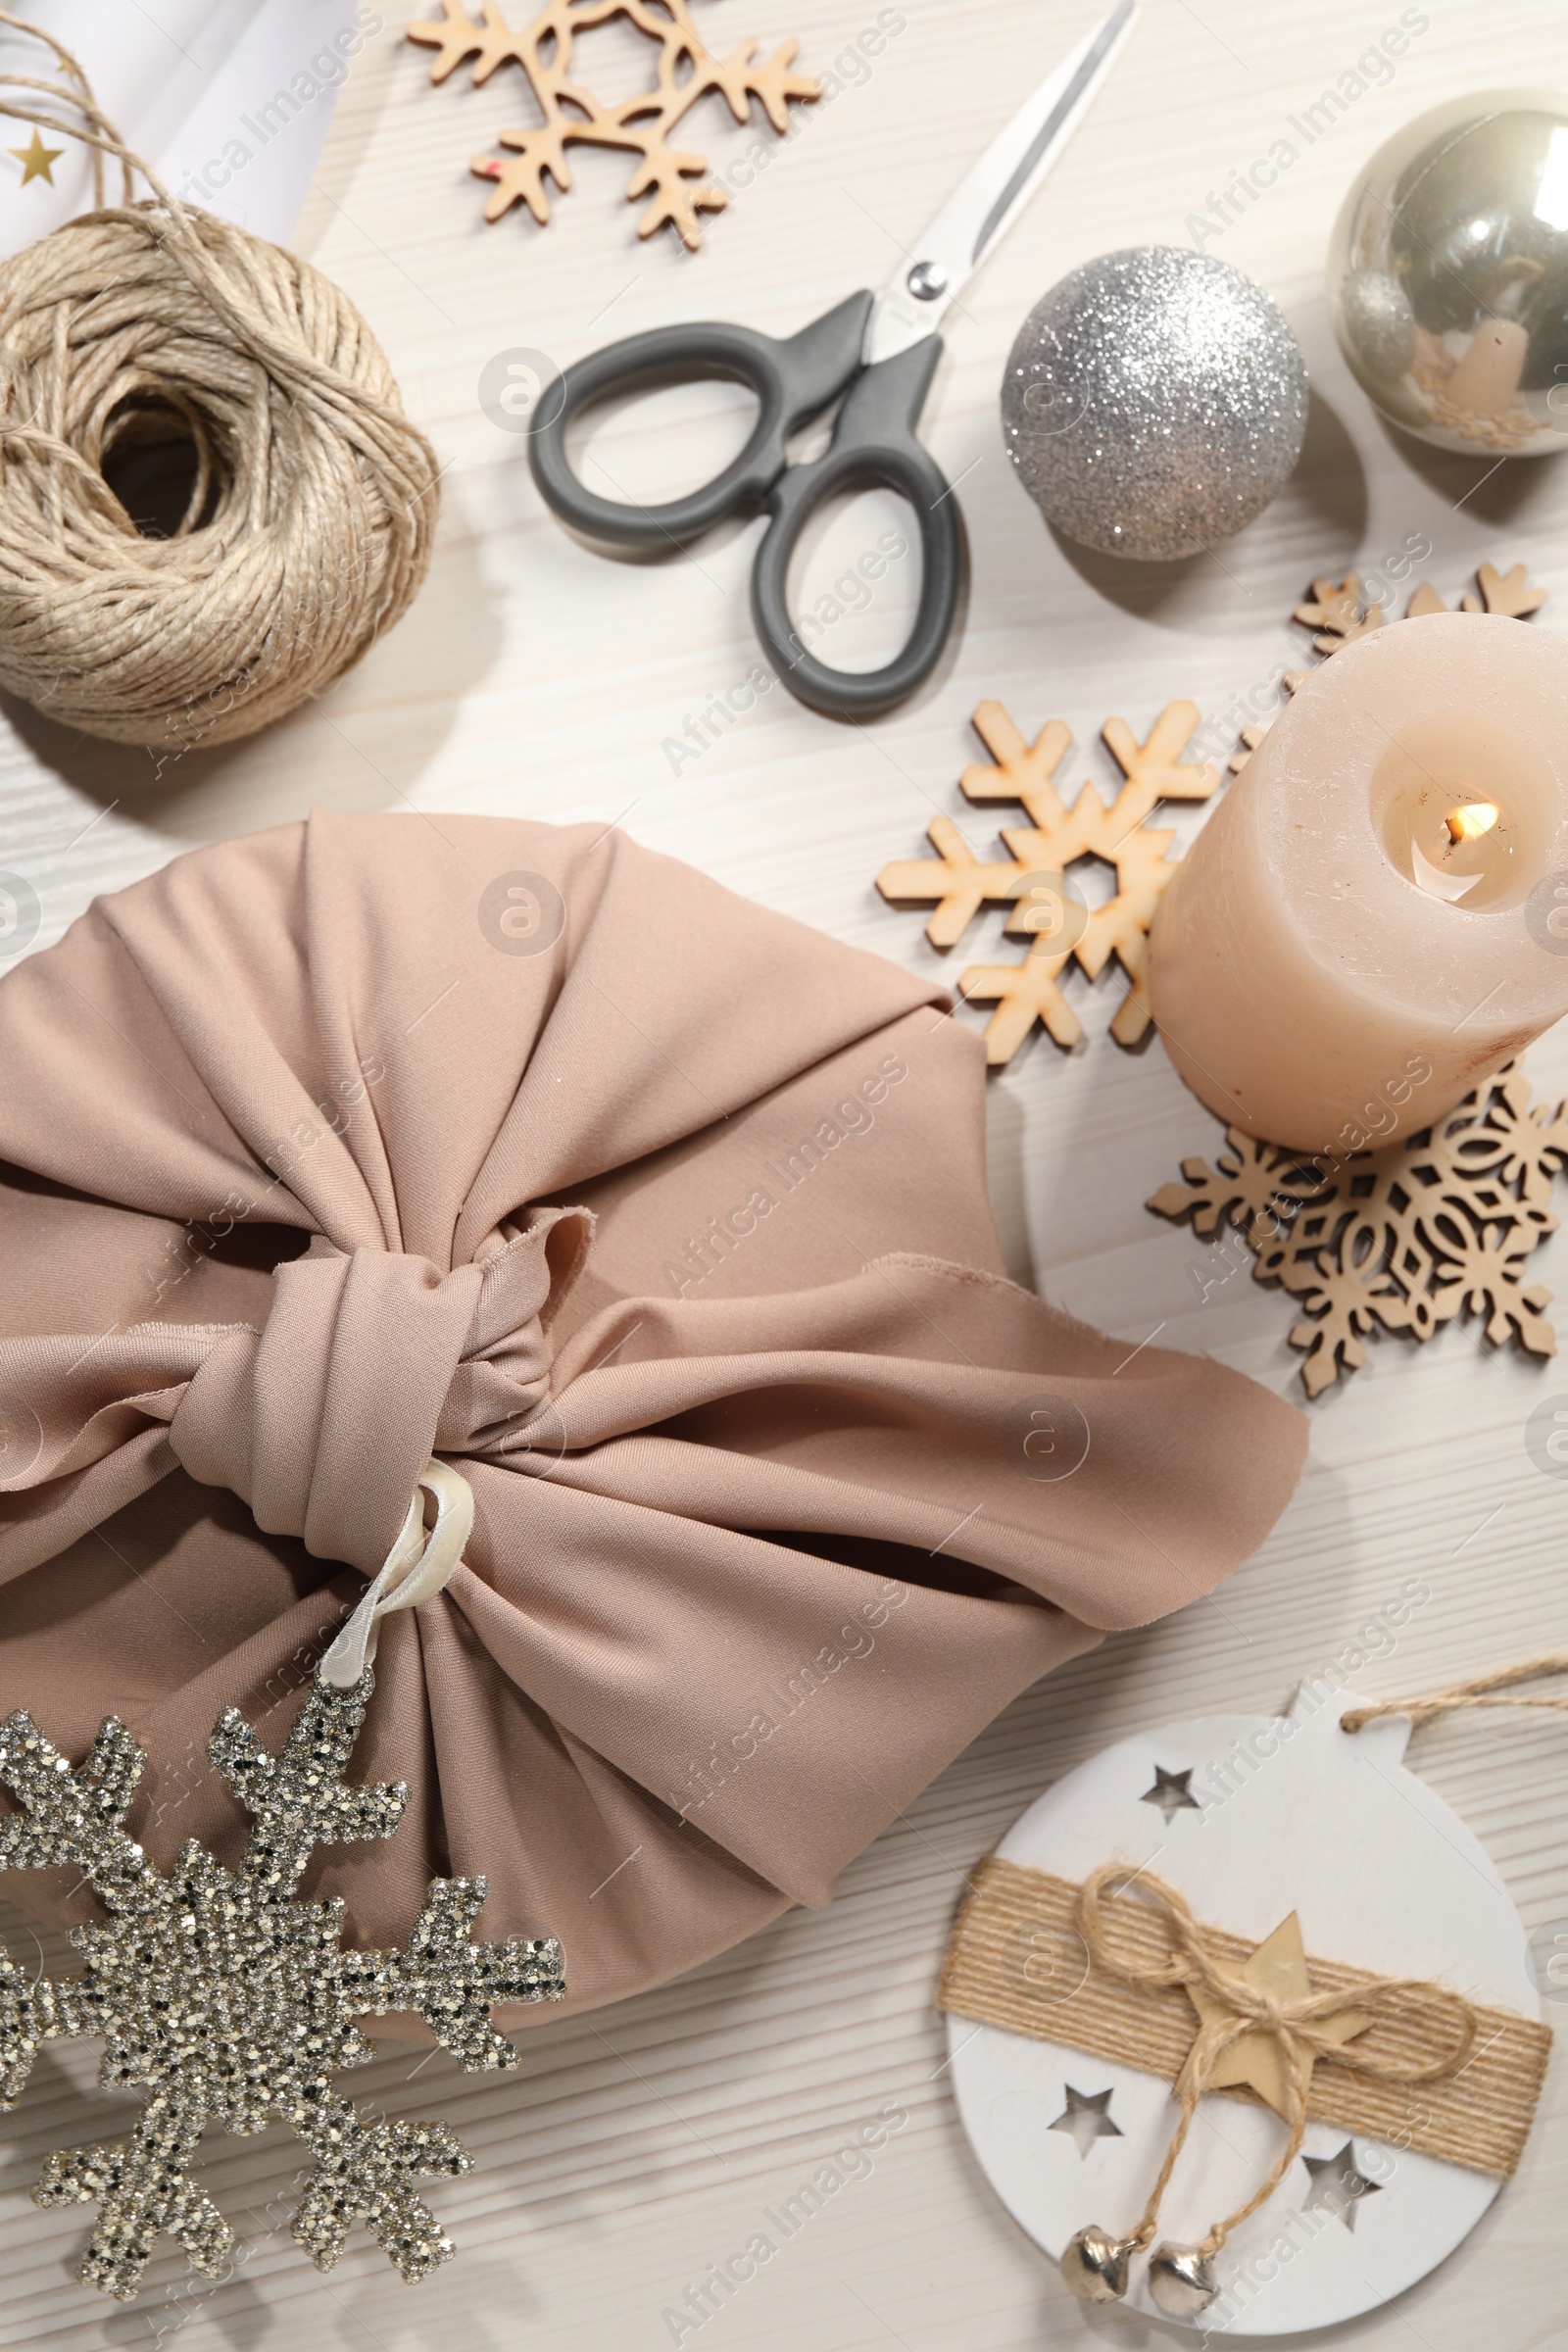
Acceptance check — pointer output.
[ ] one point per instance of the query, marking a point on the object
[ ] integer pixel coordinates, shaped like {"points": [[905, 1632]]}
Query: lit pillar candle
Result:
{"points": [[1376, 914], [1486, 379]]}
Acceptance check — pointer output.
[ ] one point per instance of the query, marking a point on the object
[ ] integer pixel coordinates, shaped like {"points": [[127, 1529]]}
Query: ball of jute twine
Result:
{"points": [[310, 519]]}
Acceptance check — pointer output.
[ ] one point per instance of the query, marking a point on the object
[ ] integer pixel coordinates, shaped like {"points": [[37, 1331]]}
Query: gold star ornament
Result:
{"points": [[1256, 2059], [36, 159]]}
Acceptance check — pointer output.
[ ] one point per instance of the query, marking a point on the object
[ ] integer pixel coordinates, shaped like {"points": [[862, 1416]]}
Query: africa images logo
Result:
{"points": [[522, 390], [19, 913], [522, 914]]}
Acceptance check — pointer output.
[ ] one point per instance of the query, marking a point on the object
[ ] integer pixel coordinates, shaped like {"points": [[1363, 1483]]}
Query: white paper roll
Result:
{"points": [[227, 100], [249, 145]]}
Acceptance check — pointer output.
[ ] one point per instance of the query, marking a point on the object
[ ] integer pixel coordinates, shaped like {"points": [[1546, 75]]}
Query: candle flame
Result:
{"points": [[1471, 821]]}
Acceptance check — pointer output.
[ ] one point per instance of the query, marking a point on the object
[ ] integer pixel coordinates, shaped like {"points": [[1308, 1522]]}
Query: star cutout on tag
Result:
{"points": [[1085, 2117], [1171, 1792], [1337, 2185], [1255, 2058], [36, 158]]}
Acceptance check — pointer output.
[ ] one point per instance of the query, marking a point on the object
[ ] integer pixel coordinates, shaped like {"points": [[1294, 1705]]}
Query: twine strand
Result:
{"points": [[82, 97], [1299, 2027], [1480, 1692]]}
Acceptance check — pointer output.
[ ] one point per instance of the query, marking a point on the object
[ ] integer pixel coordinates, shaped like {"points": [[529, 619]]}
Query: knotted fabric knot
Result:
{"points": [[370, 1363]]}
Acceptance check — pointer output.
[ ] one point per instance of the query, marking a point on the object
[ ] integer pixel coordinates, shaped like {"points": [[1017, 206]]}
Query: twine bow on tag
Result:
{"points": [[1118, 1966], [1128, 1972], [1295, 2031]]}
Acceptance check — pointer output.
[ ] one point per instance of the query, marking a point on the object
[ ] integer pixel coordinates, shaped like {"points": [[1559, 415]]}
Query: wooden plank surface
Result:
{"points": [[634, 2149]]}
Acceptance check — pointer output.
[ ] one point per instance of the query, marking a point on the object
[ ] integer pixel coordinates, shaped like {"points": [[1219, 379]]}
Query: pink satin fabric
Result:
{"points": [[673, 1238]]}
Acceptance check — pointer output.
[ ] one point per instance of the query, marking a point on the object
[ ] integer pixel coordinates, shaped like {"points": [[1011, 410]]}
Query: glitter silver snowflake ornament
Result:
{"points": [[224, 1998]]}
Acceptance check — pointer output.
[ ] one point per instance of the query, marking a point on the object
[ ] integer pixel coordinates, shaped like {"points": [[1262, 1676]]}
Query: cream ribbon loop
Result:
{"points": [[419, 1565]]}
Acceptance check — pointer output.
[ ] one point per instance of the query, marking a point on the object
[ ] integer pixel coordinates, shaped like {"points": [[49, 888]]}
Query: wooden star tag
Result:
{"points": [[1256, 2058]]}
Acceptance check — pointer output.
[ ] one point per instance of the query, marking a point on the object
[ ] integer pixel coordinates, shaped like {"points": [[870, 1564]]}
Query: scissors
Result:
{"points": [[881, 353]]}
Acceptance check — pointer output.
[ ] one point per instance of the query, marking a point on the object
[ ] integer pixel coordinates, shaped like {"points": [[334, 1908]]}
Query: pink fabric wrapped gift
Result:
{"points": [[660, 1217]]}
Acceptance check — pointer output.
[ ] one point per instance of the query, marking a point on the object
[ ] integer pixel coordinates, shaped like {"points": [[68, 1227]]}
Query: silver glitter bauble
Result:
{"points": [[1182, 2282], [1378, 319], [1447, 276], [1154, 401]]}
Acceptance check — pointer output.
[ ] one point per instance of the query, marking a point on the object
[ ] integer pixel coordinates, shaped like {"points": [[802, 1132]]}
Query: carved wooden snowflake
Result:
{"points": [[642, 124], [1339, 611], [222, 1998], [1408, 1237], [1033, 876]]}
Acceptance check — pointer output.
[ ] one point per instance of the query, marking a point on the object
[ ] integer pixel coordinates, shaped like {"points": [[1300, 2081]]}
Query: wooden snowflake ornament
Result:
{"points": [[642, 124], [1335, 610], [1033, 877], [1408, 1237], [1339, 611], [223, 1997]]}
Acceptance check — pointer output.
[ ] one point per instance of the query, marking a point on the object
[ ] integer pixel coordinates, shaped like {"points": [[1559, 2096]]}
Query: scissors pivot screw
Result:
{"points": [[927, 281]]}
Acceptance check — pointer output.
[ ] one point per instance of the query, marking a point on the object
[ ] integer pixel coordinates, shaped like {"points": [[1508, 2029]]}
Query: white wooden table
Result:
{"points": [[634, 2149]]}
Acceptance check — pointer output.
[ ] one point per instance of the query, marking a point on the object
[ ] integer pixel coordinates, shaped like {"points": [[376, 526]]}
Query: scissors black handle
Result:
{"points": [[873, 447], [793, 381]]}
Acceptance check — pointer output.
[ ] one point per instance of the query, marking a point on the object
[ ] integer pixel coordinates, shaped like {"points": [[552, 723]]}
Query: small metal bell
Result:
{"points": [[1095, 2265], [1181, 2281]]}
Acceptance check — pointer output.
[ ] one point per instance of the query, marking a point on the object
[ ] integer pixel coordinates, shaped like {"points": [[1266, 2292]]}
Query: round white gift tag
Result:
{"points": [[1250, 1818]]}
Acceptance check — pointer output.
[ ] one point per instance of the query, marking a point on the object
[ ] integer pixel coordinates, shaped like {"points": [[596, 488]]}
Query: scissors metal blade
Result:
{"points": [[990, 196]]}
